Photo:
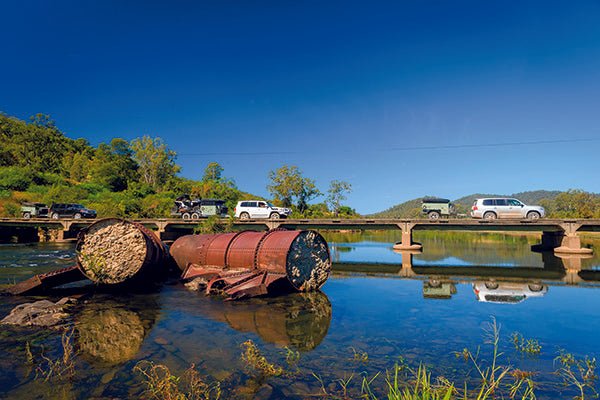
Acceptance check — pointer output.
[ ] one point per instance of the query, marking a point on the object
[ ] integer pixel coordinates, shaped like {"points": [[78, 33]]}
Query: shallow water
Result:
{"points": [[373, 305]]}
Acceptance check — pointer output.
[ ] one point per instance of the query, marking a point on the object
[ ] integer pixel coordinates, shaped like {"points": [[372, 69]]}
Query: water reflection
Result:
{"points": [[298, 320], [111, 330]]}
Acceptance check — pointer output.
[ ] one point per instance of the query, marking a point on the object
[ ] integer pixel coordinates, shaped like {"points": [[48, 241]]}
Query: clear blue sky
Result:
{"points": [[340, 90]]}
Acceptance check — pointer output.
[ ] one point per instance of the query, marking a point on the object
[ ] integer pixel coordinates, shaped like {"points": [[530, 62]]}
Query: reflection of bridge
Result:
{"points": [[562, 235], [559, 268]]}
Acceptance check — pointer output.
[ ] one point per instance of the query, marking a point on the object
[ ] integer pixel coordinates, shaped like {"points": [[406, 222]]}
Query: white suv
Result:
{"points": [[503, 207], [260, 209]]}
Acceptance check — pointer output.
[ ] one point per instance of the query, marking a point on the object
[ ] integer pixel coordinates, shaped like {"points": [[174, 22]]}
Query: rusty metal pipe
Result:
{"points": [[253, 260], [110, 251]]}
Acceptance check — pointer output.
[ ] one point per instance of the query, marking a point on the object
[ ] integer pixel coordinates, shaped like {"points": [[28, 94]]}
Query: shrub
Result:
{"points": [[15, 178]]}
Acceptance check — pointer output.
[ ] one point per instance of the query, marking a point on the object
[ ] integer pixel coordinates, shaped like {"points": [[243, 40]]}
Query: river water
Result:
{"points": [[379, 308]]}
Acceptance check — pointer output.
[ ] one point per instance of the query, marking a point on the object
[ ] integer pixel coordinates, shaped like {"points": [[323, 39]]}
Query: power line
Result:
{"points": [[412, 148]]}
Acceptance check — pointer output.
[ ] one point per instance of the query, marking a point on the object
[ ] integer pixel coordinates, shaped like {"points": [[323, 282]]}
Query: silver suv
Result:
{"points": [[260, 209], [503, 207]]}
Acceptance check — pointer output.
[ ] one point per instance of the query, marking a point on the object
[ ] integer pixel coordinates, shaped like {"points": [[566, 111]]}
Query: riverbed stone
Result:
{"points": [[43, 313]]}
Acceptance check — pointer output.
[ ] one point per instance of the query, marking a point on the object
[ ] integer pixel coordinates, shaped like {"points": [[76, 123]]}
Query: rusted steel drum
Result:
{"points": [[113, 251], [301, 256]]}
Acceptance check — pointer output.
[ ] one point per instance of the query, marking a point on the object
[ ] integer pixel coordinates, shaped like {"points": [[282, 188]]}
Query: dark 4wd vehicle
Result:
{"points": [[62, 210], [198, 208]]}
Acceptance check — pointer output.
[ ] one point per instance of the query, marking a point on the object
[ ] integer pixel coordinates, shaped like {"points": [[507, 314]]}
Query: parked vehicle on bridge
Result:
{"points": [[255, 209], [436, 208], [198, 208], [507, 292], [34, 210], [70, 210], [504, 207]]}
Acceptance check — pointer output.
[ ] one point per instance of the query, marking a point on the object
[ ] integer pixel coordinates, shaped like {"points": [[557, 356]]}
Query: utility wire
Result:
{"points": [[413, 148]]}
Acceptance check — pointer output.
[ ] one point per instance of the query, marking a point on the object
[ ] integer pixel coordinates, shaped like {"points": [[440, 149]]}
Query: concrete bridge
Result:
{"points": [[560, 235]]}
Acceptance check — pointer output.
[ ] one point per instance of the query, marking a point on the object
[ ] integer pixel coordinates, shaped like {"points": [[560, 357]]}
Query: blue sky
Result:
{"points": [[344, 90]]}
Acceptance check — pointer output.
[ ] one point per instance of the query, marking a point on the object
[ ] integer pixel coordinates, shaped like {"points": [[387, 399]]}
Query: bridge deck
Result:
{"points": [[370, 224]]}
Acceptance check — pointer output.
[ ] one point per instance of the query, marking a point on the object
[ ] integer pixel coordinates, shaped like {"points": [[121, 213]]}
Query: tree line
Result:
{"points": [[138, 178]]}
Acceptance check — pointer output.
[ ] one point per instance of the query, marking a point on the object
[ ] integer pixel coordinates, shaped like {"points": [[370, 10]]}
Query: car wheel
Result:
{"points": [[536, 287], [274, 216], [26, 215], [185, 215], [533, 215], [434, 215], [195, 215], [244, 215], [77, 216], [491, 285], [434, 283], [489, 215], [55, 216]]}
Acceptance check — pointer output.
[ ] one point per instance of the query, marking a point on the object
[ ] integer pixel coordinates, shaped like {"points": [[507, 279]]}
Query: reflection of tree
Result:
{"points": [[300, 320], [479, 248], [112, 332], [336, 249]]}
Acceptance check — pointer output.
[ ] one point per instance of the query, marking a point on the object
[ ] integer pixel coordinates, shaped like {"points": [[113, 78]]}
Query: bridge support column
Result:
{"points": [[273, 224], [407, 263], [571, 242], [407, 243], [572, 264]]}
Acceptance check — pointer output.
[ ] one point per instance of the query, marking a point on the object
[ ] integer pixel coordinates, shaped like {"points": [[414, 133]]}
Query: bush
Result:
{"points": [[15, 178]]}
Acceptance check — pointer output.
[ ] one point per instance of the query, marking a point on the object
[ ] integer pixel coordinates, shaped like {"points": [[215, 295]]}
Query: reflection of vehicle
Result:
{"points": [[198, 208], [34, 210], [435, 208], [507, 292], [493, 208], [437, 289], [260, 209], [76, 211]]}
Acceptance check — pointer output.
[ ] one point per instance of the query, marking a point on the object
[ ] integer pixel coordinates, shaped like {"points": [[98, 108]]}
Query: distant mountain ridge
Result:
{"points": [[412, 208]]}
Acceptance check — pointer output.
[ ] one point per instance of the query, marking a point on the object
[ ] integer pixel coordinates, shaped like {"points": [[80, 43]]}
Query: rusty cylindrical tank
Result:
{"points": [[110, 251], [113, 251], [301, 256]]}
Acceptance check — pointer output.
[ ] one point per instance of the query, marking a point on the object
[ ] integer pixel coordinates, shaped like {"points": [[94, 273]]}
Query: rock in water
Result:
{"points": [[42, 313]]}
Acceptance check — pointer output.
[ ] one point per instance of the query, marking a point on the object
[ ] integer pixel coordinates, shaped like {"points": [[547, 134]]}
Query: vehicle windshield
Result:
{"points": [[78, 206], [270, 204]]}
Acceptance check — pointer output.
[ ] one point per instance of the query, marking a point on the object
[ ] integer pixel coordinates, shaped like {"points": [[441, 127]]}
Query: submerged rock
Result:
{"points": [[42, 313]]}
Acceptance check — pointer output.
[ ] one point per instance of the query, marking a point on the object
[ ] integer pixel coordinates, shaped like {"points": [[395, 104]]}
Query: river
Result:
{"points": [[378, 309]]}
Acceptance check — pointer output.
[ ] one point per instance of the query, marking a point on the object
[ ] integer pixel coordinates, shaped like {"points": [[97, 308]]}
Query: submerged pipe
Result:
{"points": [[259, 258], [113, 251], [110, 251]]}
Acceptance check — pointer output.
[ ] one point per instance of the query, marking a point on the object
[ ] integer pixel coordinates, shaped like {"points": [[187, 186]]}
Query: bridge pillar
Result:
{"points": [[571, 242], [572, 264], [407, 263], [273, 224], [407, 243]]}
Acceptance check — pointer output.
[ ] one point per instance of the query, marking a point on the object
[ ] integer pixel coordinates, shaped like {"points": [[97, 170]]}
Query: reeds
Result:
{"points": [[162, 385]]}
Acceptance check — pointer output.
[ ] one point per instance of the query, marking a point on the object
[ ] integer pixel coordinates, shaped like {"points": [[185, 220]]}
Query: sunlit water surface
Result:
{"points": [[371, 306]]}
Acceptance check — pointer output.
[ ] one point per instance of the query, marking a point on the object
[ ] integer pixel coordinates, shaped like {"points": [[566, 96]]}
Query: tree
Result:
{"points": [[336, 194], [212, 172], [156, 162], [288, 184], [574, 204]]}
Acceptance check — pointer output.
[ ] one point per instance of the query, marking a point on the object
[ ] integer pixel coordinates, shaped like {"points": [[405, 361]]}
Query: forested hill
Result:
{"points": [[573, 203], [137, 178]]}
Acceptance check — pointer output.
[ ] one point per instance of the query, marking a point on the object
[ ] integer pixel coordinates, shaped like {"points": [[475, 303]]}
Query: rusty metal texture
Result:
{"points": [[249, 263], [47, 280], [241, 252]]}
